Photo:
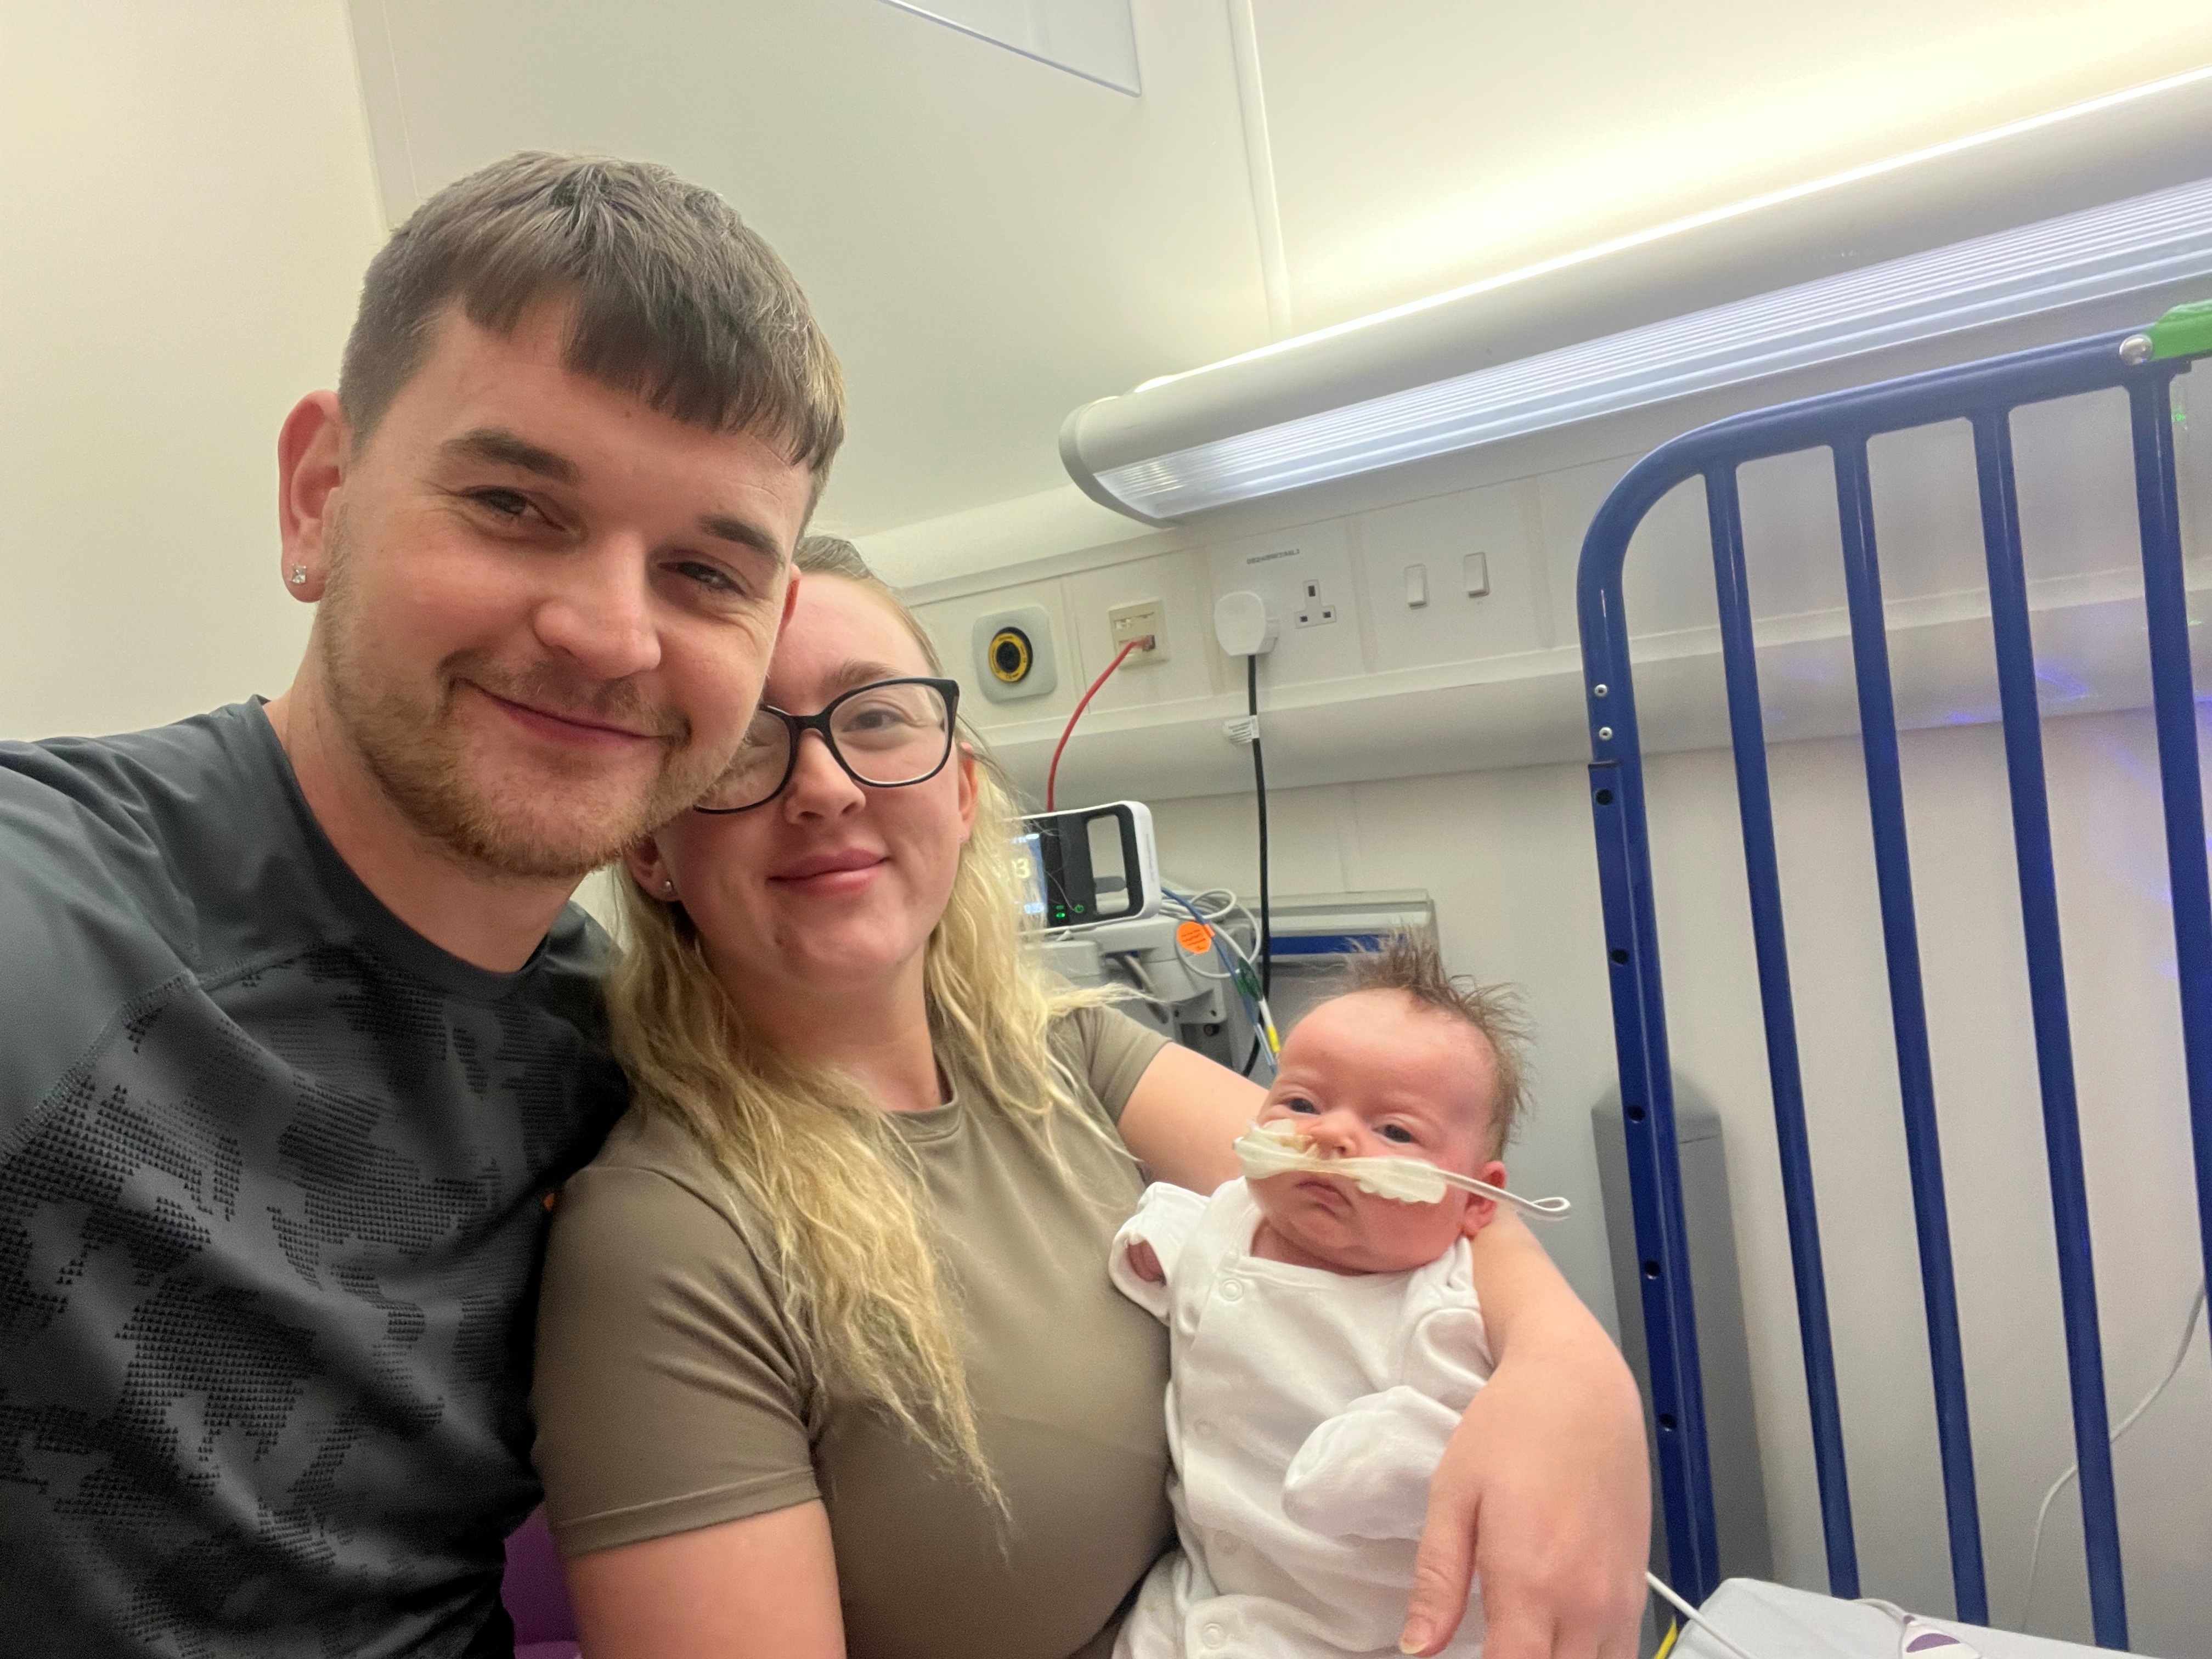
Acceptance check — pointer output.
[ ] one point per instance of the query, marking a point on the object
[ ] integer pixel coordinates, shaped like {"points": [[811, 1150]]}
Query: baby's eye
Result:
{"points": [[1397, 1132], [1295, 1103]]}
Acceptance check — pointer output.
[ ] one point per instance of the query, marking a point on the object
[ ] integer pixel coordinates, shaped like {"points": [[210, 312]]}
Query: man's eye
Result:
{"points": [[507, 503], [712, 578], [1397, 1132]]}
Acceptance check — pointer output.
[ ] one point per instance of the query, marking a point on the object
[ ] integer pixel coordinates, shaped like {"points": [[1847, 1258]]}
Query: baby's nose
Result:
{"points": [[1332, 1135]]}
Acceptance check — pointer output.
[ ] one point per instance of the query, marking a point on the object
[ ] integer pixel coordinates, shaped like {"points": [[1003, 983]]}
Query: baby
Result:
{"points": [[1325, 1338]]}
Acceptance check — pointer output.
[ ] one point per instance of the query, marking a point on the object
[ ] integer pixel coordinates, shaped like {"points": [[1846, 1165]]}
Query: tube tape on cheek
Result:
{"points": [[1273, 1149]]}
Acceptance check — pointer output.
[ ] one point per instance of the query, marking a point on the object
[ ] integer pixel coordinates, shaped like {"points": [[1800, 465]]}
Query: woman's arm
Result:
{"points": [[1545, 1488], [1182, 1117], [667, 1402], [762, 1588]]}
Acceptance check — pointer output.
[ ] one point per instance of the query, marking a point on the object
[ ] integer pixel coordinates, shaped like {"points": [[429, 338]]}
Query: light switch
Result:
{"points": [[1417, 586], [1477, 574]]}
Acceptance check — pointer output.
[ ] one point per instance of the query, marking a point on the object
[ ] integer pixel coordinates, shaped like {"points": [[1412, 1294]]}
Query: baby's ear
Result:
{"points": [[1481, 1211]]}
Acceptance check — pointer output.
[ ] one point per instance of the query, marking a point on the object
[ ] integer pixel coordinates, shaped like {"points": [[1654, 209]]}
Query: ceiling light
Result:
{"points": [[2098, 253]]}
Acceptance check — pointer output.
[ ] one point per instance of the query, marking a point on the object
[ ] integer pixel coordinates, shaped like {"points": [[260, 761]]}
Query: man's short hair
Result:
{"points": [[1403, 961], [674, 299]]}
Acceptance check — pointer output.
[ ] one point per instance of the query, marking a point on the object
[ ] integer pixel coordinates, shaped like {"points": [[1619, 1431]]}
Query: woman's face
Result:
{"points": [[832, 886]]}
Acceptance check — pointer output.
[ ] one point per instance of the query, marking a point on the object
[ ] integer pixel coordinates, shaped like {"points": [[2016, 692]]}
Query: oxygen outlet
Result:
{"points": [[1011, 657], [1012, 652]]}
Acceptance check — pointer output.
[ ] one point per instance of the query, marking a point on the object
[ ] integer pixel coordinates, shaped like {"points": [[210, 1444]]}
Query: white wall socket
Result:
{"points": [[1133, 621], [1316, 607]]}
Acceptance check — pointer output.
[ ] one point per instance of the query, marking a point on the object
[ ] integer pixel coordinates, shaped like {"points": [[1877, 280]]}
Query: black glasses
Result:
{"points": [[885, 734]]}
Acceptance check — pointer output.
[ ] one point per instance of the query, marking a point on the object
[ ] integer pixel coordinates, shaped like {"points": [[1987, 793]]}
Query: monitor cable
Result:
{"points": [[2180, 1355], [1052, 773]]}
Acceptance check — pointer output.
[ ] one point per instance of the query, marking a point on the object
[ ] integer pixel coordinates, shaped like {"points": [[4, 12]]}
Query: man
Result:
{"points": [[297, 1029]]}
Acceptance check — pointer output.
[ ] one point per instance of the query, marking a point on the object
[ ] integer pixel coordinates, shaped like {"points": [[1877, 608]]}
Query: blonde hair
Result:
{"points": [[836, 1190], [1414, 965]]}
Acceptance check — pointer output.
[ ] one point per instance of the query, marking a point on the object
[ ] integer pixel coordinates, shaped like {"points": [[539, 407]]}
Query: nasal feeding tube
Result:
{"points": [[1273, 1149]]}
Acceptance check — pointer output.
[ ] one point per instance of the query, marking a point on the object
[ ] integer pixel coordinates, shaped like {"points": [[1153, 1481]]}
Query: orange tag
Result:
{"points": [[1194, 937]]}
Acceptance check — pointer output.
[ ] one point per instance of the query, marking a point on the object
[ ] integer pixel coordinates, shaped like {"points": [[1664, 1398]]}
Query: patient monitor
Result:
{"points": [[1096, 864]]}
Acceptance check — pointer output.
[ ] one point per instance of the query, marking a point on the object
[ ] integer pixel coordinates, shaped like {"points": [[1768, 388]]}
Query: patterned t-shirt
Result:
{"points": [[271, 1178]]}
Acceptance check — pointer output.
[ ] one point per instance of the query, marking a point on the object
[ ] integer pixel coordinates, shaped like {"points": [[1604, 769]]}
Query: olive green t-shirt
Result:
{"points": [[669, 1395]]}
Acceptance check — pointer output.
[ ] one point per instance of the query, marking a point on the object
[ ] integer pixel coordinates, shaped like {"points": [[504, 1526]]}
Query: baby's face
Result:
{"points": [[1377, 1074]]}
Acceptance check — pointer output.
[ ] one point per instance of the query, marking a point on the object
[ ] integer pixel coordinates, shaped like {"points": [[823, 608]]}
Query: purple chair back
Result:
{"points": [[536, 1596]]}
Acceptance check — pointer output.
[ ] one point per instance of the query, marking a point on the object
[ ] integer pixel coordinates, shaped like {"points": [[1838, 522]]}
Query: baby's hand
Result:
{"points": [[1145, 1263]]}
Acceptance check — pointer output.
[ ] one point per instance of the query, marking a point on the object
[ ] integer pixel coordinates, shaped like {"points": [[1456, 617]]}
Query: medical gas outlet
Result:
{"points": [[1013, 654]]}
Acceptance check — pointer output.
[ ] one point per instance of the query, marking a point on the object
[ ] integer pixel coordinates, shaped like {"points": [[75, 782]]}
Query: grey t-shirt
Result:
{"points": [[272, 1173]]}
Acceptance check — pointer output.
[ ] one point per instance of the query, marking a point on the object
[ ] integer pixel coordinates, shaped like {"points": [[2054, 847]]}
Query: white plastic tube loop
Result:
{"points": [[1273, 1149]]}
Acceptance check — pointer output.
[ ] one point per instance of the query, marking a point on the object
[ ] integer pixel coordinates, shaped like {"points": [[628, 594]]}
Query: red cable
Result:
{"points": [[1053, 776]]}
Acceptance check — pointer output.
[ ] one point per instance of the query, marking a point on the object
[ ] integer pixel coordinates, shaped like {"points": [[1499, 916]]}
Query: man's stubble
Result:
{"points": [[412, 741]]}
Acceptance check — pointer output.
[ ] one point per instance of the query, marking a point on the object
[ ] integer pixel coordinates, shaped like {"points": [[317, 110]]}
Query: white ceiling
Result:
{"points": [[991, 242]]}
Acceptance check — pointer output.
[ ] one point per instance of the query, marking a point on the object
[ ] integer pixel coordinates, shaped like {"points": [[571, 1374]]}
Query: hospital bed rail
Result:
{"points": [[2143, 364]]}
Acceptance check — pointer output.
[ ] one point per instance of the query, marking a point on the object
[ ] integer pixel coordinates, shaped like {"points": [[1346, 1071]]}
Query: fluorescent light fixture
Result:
{"points": [[2099, 253], [2088, 111]]}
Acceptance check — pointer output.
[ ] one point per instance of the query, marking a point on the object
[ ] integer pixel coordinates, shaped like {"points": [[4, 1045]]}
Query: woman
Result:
{"points": [[828, 1358]]}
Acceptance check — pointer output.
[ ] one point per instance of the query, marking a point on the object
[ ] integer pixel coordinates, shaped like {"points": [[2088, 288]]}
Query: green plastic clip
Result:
{"points": [[2184, 331]]}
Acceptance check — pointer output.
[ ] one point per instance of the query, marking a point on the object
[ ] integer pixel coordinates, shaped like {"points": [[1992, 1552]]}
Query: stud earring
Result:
{"points": [[299, 575], [668, 888]]}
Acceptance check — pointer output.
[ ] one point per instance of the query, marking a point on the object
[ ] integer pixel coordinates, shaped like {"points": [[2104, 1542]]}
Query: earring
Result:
{"points": [[299, 575], [667, 889]]}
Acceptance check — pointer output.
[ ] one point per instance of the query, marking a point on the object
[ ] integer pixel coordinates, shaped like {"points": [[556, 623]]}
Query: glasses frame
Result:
{"points": [[800, 724]]}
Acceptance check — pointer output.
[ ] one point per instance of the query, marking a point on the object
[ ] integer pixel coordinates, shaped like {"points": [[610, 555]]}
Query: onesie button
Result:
{"points": [[1232, 1289], [1213, 1636]]}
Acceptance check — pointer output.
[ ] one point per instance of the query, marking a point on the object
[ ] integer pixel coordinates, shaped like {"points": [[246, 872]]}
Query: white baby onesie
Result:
{"points": [[1306, 1411]]}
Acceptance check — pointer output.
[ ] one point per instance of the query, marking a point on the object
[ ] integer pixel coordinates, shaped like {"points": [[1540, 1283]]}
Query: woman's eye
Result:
{"points": [[1398, 1133]]}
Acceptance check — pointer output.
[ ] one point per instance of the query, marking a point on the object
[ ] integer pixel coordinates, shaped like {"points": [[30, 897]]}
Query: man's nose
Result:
{"points": [[598, 612]]}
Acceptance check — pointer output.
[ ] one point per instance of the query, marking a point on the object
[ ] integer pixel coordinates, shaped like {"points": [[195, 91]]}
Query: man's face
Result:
{"points": [[548, 608]]}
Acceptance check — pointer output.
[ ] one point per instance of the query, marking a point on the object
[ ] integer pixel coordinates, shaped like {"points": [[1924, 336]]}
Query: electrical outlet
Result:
{"points": [[1133, 621], [1315, 608]]}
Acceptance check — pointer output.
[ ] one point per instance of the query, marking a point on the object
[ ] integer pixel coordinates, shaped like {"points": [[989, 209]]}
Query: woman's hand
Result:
{"points": [[1545, 1489]]}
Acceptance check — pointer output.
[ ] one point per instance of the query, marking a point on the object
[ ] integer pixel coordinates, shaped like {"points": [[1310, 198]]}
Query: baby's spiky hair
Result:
{"points": [[1405, 962]]}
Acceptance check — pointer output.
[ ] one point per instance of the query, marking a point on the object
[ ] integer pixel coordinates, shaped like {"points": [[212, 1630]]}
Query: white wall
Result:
{"points": [[1507, 857], [186, 211]]}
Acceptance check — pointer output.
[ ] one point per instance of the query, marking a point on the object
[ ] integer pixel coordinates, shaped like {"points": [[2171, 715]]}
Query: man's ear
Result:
{"points": [[790, 599], [312, 451]]}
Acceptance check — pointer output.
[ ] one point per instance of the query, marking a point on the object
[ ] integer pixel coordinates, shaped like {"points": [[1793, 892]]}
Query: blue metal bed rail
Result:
{"points": [[1985, 394]]}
